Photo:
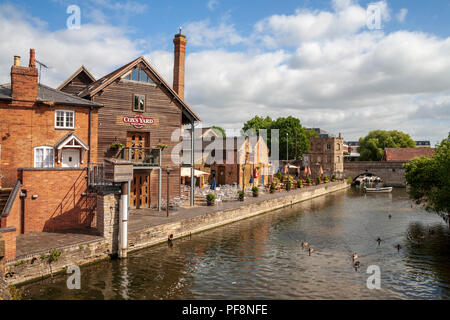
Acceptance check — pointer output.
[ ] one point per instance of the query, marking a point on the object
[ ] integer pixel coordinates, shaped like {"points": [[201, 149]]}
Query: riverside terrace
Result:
{"points": [[146, 228]]}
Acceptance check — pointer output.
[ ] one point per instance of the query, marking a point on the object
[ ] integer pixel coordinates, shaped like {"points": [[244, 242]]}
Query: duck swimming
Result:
{"points": [[356, 265], [398, 247], [305, 244], [311, 250], [379, 241], [355, 256]]}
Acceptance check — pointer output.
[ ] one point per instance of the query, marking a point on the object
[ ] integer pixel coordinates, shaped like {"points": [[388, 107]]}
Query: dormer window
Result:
{"points": [[139, 75]]}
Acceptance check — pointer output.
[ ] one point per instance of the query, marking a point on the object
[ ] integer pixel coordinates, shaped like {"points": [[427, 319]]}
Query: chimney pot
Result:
{"points": [[17, 61]]}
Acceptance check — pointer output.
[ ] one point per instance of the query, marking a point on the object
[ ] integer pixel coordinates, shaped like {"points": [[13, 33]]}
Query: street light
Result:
{"points": [[287, 146], [168, 170]]}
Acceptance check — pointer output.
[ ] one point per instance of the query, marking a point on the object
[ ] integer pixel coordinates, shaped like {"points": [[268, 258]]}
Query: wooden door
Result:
{"points": [[221, 178], [137, 141], [140, 191]]}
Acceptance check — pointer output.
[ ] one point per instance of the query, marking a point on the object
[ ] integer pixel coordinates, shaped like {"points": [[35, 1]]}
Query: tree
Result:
{"points": [[429, 180], [220, 131], [372, 146], [298, 136]]}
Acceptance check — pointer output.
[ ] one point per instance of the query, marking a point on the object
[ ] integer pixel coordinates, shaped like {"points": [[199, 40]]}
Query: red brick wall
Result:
{"points": [[23, 128], [61, 204], [10, 245]]}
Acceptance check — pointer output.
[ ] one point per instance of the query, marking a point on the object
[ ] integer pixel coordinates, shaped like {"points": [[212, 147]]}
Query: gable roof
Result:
{"points": [[406, 154], [50, 95], [80, 70], [105, 81], [69, 137]]}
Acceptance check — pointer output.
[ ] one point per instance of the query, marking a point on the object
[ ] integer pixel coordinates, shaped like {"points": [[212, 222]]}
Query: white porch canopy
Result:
{"points": [[71, 141], [186, 172]]}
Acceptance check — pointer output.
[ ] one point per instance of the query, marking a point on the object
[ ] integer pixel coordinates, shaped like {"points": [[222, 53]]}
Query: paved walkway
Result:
{"points": [[37, 242], [32, 243]]}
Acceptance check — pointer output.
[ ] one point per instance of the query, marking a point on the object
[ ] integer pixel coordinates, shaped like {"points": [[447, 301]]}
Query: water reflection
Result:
{"points": [[262, 257]]}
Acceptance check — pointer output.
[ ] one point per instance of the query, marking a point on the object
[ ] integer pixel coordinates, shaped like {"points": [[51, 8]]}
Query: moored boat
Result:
{"points": [[378, 190]]}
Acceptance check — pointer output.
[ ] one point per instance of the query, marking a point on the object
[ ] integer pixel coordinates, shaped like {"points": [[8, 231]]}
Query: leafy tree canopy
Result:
{"points": [[372, 146], [220, 131], [298, 137], [429, 180]]}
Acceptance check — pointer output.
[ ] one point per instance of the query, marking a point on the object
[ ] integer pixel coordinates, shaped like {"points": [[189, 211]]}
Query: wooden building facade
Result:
{"points": [[140, 114]]}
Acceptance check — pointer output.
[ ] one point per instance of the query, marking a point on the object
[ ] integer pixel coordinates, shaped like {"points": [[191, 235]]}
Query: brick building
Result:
{"points": [[47, 140], [240, 158], [406, 154], [326, 153], [140, 114]]}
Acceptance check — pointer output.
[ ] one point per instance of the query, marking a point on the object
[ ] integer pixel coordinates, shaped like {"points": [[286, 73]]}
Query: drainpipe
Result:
{"points": [[192, 164], [89, 137], [123, 221], [159, 187]]}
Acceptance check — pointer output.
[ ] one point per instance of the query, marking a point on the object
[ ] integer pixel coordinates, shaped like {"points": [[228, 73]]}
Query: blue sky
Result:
{"points": [[315, 60]]}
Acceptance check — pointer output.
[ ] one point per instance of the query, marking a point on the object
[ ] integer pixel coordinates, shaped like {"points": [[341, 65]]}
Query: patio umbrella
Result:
{"points": [[305, 172], [309, 171], [251, 179], [213, 184], [320, 171]]}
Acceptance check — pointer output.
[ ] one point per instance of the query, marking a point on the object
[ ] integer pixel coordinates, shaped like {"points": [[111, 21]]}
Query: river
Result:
{"points": [[262, 258]]}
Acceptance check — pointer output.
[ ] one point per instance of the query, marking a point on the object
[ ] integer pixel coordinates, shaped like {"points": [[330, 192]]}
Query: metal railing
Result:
{"points": [[142, 157]]}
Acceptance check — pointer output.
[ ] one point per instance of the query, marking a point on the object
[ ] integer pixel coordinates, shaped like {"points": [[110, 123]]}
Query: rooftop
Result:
{"points": [[406, 154], [47, 94]]}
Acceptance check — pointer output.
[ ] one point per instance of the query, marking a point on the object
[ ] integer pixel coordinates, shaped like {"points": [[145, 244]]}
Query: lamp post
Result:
{"points": [[168, 170], [287, 146]]}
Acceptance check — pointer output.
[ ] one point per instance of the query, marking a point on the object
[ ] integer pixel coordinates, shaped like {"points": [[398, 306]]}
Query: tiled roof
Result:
{"points": [[406, 154], [49, 94]]}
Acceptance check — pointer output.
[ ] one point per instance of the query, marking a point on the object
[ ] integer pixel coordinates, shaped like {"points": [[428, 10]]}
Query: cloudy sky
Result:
{"points": [[325, 61]]}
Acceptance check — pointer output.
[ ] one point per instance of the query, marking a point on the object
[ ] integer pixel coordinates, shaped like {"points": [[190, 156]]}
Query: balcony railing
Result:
{"points": [[142, 157]]}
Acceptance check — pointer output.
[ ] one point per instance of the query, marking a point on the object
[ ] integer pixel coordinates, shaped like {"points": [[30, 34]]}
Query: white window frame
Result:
{"points": [[134, 100], [65, 113], [44, 148]]}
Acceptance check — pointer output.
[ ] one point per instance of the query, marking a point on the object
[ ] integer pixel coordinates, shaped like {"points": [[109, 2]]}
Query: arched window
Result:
{"points": [[44, 157]]}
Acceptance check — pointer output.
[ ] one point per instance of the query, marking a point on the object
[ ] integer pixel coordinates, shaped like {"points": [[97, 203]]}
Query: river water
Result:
{"points": [[262, 258]]}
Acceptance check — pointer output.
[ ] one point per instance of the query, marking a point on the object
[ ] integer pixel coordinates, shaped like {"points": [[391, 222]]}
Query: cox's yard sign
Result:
{"points": [[138, 121]]}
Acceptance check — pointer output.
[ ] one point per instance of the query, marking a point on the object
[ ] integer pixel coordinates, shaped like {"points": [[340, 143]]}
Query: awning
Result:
{"points": [[186, 172]]}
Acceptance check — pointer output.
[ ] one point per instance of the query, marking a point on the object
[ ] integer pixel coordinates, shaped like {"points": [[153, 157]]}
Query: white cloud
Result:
{"points": [[203, 34], [99, 47], [323, 67], [401, 16], [212, 4]]}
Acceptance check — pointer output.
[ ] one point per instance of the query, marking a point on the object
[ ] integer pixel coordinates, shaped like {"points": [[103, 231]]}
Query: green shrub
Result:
{"points": [[333, 178], [241, 195], [325, 179], [319, 180], [255, 191], [288, 185], [272, 187], [54, 255], [349, 180], [300, 184], [308, 181], [279, 176], [210, 198]]}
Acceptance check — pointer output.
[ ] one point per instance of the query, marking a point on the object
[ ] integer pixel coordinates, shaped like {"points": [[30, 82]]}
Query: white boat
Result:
{"points": [[378, 190]]}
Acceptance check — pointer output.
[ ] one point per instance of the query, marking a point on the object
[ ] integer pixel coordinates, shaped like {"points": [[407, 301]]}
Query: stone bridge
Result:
{"points": [[391, 172]]}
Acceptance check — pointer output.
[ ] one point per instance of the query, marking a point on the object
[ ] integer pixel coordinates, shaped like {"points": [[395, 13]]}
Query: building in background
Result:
{"points": [[326, 153], [406, 154], [351, 150], [423, 144]]}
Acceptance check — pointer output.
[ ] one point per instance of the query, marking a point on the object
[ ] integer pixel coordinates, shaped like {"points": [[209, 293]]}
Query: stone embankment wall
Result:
{"points": [[391, 172], [42, 264]]}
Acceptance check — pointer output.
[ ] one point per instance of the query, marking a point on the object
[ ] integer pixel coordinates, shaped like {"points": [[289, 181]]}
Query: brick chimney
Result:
{"points": [[178, 67], [24, 80]]}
